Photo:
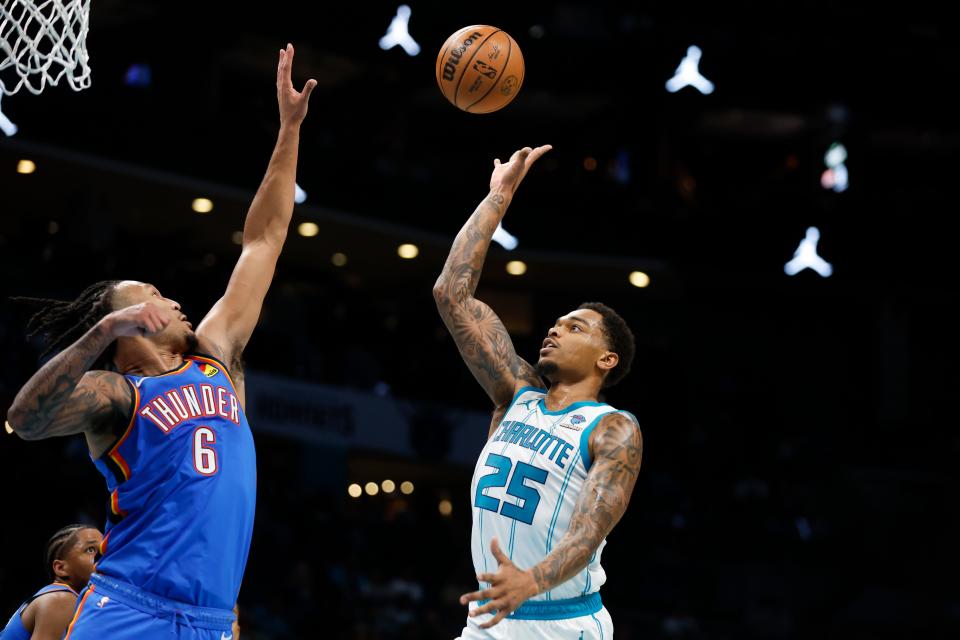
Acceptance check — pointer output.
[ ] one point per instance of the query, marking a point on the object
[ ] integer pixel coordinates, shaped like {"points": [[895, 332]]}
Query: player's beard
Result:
{"points": [[191, 342], [547, 370]]}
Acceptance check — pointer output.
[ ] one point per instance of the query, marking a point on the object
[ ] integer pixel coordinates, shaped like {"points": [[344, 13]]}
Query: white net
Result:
{"points": [[43, 41]]}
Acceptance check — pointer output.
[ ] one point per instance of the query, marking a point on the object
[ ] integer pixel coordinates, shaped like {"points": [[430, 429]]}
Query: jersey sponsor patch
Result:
{"points": [[209, 370], [575, 422]]}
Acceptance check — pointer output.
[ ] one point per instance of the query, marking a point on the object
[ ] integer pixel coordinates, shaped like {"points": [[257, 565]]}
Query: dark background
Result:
{"points": [[799, 478]]}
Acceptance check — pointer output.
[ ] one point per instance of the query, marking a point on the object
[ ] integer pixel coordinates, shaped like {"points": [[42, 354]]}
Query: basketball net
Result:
{"points": [[41, 41]]}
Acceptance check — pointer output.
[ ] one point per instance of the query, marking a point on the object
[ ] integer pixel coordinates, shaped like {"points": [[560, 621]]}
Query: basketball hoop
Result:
{"points": [[41, 41]]}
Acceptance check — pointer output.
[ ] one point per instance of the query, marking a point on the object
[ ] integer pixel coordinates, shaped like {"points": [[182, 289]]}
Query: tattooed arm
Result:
{"points": [[482, 339], [64, 397], [616, 447]]}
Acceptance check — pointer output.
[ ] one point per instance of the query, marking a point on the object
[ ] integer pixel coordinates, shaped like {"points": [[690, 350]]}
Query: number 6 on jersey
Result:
{"points": [[204, 457]]}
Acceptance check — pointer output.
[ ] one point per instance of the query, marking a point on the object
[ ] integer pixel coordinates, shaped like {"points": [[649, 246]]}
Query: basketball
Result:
{"points": [[480, 69]]}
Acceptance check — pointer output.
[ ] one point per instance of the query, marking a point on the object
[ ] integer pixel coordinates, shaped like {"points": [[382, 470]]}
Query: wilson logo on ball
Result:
{"points": [[450, 68]]}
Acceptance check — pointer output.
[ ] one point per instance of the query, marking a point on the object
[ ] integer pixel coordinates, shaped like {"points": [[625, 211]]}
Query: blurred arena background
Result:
{"points": [[800, 477]]}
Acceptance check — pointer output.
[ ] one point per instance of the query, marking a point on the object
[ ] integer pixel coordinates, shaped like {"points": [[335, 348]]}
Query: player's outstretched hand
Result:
{"points": [[509, 588], [293, 103], [508, 175]]}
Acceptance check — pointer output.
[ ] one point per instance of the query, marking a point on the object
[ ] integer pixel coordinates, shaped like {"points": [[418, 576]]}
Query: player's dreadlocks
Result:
{"points": [[59, 323], [58, 543]]}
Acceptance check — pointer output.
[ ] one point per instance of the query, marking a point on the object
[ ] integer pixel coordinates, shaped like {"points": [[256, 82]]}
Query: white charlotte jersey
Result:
{"points": [[526, 483]]}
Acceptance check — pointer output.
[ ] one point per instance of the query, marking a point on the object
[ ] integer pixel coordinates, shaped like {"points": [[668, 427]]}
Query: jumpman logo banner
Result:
{"points": [[688, 74], [806, 257], [398, 33], [6, 125]]}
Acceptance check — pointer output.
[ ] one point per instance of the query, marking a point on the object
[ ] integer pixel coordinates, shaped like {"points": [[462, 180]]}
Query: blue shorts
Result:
{"points": [[108, 608]]}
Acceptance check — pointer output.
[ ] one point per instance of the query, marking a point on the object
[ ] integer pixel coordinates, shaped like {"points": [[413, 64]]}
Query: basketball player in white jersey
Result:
{"points": [[558, 468]]}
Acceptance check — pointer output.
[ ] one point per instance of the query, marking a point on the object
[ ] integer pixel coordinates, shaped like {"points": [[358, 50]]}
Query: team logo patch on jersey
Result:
{"points": [[575, 422], [209, 370]]}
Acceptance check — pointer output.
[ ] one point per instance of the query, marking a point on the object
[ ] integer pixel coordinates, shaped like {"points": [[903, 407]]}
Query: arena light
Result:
{"points": [[408, 251], [688, 74], [26, 167], [338, 259], [806, 257], [590, 163], [355, 490], [299, 195], [8, 128], [504, 239], [388, 486], [445, 507], [835, 176], [308, 229], [639, 279], [237, 237], [398, 33], [202, 205], [406, 487], [516, 267], [371, 488]]}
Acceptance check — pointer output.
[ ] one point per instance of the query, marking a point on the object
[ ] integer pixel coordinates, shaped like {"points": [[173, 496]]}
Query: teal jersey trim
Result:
{"points": [[556, 609]]}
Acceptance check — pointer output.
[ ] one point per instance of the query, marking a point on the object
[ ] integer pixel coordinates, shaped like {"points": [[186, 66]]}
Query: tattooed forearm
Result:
{"points": [[461, 272], [480, 336], [618, 449], [59, 399]]}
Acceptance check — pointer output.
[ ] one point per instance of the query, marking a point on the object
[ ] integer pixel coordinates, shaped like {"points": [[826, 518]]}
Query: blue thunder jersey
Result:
{"points": [[15, 629], [527, 482], [182, 483]]}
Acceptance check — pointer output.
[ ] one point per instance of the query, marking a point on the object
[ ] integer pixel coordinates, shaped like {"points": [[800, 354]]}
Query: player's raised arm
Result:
{"points": [[230, 323], [482, 339]]}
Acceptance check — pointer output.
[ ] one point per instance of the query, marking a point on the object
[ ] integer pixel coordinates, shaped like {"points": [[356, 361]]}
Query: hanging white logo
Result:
{"points": [[688, 74], [806, 257], [504, 239], [5, 125], [398, 33]]}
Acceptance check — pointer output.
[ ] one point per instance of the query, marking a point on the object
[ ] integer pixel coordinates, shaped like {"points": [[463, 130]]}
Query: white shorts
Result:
{"points": [[591, 626]]}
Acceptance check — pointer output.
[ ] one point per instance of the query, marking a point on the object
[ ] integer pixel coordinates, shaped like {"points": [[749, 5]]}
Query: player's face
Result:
{"points": [[79, 561], [574, 345], [178, 334]]}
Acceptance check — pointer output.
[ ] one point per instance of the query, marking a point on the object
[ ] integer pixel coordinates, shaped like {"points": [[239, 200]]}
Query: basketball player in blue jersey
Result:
{"points": [[70, 556], [161, 406], [559, 467]]}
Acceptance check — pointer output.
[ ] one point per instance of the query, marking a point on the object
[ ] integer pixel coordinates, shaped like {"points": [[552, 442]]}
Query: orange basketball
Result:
{"points": [[480, 69]]}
